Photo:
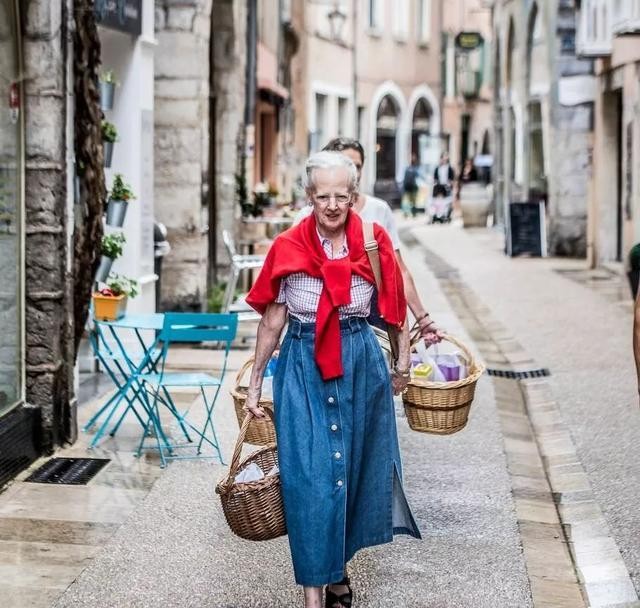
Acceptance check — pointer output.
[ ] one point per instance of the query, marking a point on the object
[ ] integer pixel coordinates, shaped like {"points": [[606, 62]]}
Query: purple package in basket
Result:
{"points": [[451, 373]]}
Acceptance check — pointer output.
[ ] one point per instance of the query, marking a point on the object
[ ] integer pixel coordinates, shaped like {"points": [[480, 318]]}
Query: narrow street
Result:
{"points": [[530, 505]]}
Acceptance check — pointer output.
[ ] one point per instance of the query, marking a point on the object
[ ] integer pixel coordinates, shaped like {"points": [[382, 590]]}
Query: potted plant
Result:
{"points": [[633, 274], [107, 89], [110, 250], [110, 303], [119, 197], [109, 137]]}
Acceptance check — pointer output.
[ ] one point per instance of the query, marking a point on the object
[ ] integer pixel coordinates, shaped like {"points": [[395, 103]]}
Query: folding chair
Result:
{"points": [[187, 327], [238, 264]]}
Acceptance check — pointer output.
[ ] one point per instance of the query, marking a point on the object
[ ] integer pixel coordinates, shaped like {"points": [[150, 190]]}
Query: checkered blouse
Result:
{"points": [[301, 292]]}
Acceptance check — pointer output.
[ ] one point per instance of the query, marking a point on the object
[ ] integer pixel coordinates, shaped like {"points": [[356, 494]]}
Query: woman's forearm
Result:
{"points": [[269, 330], [403, 348]]}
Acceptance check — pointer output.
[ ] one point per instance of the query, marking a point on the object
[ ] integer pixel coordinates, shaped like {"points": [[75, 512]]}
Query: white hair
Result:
{"points": [[329, 160]]}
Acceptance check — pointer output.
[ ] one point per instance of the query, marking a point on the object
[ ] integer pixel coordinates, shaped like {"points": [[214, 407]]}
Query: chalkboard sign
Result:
{"points": [[526, 229], [122, 15]]}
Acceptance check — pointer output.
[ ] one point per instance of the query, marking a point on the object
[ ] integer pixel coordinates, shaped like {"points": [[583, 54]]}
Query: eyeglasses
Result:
{"points": [[341, 200]]}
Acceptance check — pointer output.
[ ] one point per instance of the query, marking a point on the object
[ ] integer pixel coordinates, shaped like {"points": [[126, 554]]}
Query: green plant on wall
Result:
{"points": [[121, 285], [109, 132], [108, 76], [121, 191], [111, 245]]}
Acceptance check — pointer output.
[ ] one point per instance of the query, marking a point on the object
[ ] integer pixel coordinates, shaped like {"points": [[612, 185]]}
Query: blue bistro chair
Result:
{"points": [[187, 327]]}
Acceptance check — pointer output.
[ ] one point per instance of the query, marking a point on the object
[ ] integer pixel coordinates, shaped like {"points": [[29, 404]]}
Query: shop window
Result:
{"points": [[321, 121], [11, 170]]}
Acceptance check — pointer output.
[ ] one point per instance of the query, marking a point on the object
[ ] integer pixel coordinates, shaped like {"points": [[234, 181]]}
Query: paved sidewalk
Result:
{"points": [[176, 550], [583, 336]]}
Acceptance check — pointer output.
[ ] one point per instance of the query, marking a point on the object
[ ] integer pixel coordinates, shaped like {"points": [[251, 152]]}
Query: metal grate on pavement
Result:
{"points": [[70, 471], [513, 375]]}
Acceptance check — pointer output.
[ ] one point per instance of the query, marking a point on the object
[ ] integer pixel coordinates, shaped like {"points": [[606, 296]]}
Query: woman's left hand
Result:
{"points": [[430, 332], [399, 383]]}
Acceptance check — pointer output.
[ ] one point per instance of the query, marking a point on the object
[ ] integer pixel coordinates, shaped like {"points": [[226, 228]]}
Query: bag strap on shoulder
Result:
{"points": [[371, 247]]}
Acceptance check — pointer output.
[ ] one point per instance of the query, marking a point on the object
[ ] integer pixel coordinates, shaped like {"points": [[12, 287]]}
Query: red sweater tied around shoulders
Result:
{"points": [[299, 250]]}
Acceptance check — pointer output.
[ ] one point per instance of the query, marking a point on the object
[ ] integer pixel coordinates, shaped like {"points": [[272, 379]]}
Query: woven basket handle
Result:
{"points": [[241, 372], [235, 459], [248, 363], [467, 353]]}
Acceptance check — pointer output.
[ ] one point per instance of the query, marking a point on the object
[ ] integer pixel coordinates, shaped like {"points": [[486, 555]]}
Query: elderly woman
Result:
{"points": [[335, 423]]}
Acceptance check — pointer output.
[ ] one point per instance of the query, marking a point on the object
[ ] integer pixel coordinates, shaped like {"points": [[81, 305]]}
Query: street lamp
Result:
{"points": [[337, 18]]}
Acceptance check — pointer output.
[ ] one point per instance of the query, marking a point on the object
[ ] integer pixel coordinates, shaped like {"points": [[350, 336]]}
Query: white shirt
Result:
{"points": [[443, 174], [374, 210]]}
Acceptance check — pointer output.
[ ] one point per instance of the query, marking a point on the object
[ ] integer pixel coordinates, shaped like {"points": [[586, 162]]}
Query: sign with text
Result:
{"points": [[468, 41], [526, 229], [122, 15]]}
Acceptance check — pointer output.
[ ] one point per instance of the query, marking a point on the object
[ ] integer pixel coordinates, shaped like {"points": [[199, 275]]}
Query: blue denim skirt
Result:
{"points": [[338, 453]]}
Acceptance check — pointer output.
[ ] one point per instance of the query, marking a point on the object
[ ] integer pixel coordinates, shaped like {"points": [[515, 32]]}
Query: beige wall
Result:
{"points": [[405, 69], [468, 16]]}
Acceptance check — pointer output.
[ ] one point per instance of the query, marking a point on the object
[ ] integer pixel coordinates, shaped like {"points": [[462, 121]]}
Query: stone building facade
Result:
{"points": [[466, 80], [544, 103], [199, 130], [609, 33]]}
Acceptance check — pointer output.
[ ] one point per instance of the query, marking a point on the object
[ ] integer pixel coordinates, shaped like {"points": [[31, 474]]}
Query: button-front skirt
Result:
{"points": [[338, 452]]}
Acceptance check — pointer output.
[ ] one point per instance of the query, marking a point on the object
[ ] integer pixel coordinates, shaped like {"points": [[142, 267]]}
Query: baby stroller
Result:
{"points": [[441, 205]]}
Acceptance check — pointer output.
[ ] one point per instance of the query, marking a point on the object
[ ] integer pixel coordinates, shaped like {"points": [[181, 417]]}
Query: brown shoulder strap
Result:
{"points": [[371, 247]]}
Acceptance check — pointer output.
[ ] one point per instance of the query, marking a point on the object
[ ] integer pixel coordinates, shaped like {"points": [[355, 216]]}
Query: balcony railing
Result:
{"points": [[594, 28], [626, 17]]}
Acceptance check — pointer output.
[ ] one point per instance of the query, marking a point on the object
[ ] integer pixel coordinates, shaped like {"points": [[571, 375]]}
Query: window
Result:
{"points": [[360, 125], [374, 15], [401, 19], [11, 176], [321, 122], [423, 21], [342, 115]]}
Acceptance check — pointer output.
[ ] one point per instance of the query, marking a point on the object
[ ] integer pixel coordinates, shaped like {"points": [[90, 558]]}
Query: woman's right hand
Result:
{"points": [[252, 404]]}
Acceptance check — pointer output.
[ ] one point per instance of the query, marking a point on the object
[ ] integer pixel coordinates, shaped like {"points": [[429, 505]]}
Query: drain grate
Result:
{"points": [[513, 375], [71, 471]]}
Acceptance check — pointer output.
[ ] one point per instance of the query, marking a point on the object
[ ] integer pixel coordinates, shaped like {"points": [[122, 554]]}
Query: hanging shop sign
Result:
{"points": [[122, 15], [469, 41]]}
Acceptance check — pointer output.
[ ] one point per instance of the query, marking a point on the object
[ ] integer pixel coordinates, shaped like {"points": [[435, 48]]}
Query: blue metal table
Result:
{"points": [[124, 366]]}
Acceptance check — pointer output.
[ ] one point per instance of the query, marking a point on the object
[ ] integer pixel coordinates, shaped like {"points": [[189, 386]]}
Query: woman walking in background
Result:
{"points": [[337, 441]]}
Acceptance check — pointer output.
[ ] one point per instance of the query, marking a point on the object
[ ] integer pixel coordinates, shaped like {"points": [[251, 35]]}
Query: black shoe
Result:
{"points": [[344, 601]]}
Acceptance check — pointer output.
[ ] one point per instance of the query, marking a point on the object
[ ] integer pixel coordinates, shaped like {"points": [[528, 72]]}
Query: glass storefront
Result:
{"points": [[11, 197]]}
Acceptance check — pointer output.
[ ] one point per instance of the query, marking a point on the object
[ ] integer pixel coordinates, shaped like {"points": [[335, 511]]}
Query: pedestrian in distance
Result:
{"points": [[636, 336], [335, 423], [443, 177], [372, 209], [410, 186]]}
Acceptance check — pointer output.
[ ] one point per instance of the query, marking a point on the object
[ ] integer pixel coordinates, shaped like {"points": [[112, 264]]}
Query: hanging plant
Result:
{"points": [[121, 191], [109, 132], [111, 245]]}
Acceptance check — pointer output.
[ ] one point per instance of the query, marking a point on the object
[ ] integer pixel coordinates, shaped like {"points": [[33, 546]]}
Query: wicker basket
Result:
{"points": [[254, 510], [260, 431], [442, 408]]}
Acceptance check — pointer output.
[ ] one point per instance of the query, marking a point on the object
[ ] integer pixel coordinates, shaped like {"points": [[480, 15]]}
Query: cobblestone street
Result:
{"points": [[530, 505]]}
